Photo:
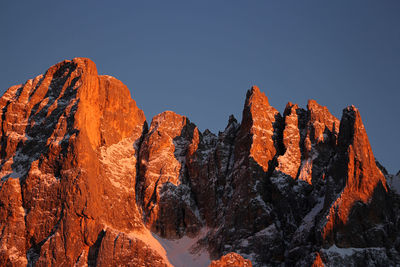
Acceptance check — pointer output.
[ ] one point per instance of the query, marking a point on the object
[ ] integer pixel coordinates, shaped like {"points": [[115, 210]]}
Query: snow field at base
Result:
{"points": [[175, 252], [185, 251]]}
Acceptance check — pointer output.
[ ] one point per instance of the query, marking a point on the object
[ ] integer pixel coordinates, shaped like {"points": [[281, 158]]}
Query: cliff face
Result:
{"points": [[85, 181], [68, 165], [168, 205], [358, 183]]}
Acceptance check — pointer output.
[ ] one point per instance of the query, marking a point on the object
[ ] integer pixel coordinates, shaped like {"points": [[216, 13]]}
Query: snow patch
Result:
{"points": [[309, 219], [120, 162], [185, 251]]}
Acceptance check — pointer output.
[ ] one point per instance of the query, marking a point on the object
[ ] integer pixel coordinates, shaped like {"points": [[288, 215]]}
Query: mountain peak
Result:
{"points": [[321, 120], [80, 167], [356, 177], [256, 97], [232, 119], [258, 122]]}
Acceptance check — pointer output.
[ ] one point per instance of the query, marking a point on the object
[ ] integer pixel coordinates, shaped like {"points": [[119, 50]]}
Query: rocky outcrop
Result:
{"points": [[163, 184], [309, 140], [357, 180], [12, 216], [85, 182], [318, 261], [208, 170], [244, 211], [257, 139], [318, 143], [231, 259], [290, 161]]}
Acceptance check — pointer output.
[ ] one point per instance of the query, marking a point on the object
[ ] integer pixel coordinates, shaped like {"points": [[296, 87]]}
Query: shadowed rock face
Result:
{"points": [[84, 181]]}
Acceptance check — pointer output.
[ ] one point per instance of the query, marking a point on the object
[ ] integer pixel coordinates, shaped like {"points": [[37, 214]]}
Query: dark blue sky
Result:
{"points": [[198, 58]]}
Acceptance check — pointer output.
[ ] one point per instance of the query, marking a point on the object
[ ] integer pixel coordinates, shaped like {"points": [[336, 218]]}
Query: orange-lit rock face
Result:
{"points": [[231, 259], [356, 171], [158, 159], [34, 145], [289, 163], [170, 141], [321, 120], [318, 261], [308, 136], [121, 249], [12, 214], [69, 143], [257, 129], [115, 95]]}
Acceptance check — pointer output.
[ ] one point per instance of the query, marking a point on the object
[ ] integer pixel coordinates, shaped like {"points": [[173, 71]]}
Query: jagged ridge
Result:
{"points": [[84, 180]]}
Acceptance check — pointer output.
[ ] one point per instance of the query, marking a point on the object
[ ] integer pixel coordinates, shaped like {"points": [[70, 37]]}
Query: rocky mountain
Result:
{"points": [[85, 181]]}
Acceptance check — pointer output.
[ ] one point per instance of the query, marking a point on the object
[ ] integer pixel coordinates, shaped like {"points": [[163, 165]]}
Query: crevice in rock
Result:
{"points": [[138, 194], [303, 118], [278, 126], [94, 249]]}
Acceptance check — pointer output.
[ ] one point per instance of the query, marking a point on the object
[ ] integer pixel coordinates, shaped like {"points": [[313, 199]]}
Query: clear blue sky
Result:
{"points": [[198, 58]]}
